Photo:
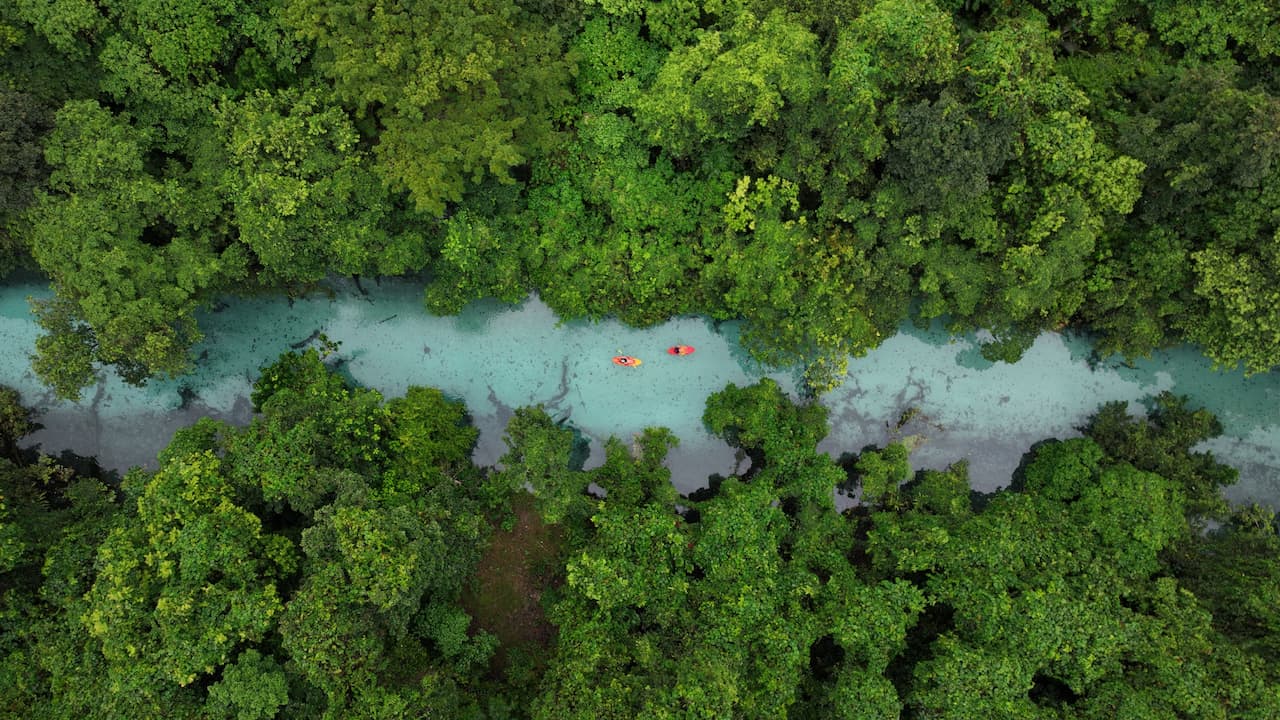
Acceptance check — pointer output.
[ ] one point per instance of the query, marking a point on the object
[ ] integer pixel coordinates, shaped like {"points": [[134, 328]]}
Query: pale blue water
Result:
{"points": [[497, 357]]}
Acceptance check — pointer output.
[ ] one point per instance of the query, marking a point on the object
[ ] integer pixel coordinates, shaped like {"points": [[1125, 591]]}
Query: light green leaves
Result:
{"points": [[538, 454], [253, 688], [191, 580], [476, 261], [66, 24], [909, 42], [461, 91], [116, 241], [1243, 321], [304, 196], [730, 82]]}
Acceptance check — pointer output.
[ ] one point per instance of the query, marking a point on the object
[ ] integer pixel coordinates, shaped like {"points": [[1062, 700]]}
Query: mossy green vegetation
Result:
{"points": [[342, 557]]}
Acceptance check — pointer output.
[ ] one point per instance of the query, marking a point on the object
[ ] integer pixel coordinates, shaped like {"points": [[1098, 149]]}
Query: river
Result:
{"points": [[497, 357]]}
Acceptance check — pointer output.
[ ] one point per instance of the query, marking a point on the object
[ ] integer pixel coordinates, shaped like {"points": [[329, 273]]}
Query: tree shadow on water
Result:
{"points": [[475, 317]]}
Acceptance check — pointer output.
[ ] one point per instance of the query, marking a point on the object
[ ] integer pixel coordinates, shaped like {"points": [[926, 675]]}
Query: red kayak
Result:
{"points": [[627, 361], [680, 350]]}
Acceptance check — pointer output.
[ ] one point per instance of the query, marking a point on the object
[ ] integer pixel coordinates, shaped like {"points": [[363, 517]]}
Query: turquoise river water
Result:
{"points": [[497, 357]]}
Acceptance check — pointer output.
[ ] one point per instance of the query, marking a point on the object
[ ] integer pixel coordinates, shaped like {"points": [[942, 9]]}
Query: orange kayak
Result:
{"points": [[680, 350], [627, 361]]}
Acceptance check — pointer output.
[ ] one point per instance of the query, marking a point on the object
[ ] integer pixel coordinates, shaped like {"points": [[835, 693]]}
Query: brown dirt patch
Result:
{"points": [[504, 596]]}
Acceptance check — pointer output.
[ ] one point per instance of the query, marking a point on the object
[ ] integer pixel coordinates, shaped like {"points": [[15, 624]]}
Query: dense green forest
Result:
{"points": [[341, 557], [823, 170]]}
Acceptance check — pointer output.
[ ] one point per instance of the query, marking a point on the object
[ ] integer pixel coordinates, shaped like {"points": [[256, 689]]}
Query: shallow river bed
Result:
{"points": [[497, 357]]}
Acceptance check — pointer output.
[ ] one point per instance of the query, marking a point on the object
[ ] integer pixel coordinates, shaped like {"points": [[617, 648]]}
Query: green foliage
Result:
{"points": [[943, 157], [371, 566], [1162, 442], [24, 122], [474, 263], [66, 24], [338, 647], [120, 300], [814, 169], [614, 63], [639, 570], [910, 43], [253, 687], [761, 417], [1197, 254], [1241, 323], [1060, 583], [537, 456], [297, 567], [880, 472], [636, 560], [730, 82], [51, 524], [460, 91], [670, 22], [432, 437], [806, 297], [1011, 167], [302, 193], [1234, 572], [236, 584], [16, 422], [194, 577], [618, 230], [1249, 28], [1022, 245]]}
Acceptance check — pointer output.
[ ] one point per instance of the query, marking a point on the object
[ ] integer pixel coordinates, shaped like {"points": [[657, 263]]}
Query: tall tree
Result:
{"points": [[303, 195], [126, 252], [457, 90]]}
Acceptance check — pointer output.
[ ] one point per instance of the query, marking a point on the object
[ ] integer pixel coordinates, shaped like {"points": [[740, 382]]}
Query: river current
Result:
{"points": [[497, 357]]}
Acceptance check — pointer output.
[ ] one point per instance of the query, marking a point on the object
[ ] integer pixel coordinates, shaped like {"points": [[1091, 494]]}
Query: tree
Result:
{"points": [[613, 226], [194, 577], [67, 24], [1055, 599], [1001, 211], [909, 43], [24, 122], [432, 440], [880, 472], [128, 278], [670, 23], [1233, 572], [1197, 256], [730, 82], [303, 194], [1162, 442], [808, 295], [374, 571], [538, 452], [474, 262], [253, 687], [760, 418], [458, 91], [619, 229], [1245, 28], [233, 585]]}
